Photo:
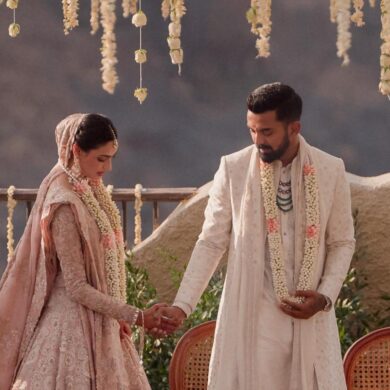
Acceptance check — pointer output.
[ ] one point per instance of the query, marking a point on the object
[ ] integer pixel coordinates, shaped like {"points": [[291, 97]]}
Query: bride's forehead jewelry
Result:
{"points": [[115, 139]]}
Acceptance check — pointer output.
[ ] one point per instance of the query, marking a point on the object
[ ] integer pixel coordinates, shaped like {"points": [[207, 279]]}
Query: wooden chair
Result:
{"points": [[189, 365], [367, 362]]}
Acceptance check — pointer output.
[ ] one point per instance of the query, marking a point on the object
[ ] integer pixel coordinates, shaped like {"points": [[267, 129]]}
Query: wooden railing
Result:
{"points": [[123, 196]]}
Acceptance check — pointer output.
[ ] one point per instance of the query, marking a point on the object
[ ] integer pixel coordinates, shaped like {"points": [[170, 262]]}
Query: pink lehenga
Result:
{"points": [[59, 326]]}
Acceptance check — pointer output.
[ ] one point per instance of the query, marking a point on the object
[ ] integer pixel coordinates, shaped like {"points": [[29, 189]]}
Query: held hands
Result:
{"points": [[161, 320], [313, 303]]}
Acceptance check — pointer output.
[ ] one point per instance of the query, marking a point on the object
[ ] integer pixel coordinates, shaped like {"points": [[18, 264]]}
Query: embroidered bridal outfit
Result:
{"points": [[64, 290]]}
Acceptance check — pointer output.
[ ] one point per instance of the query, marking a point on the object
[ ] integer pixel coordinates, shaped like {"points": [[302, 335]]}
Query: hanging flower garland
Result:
{"points": [[108, 50], [11, 204], [138, 219], [343, 20], [357, 16], [311, 244], [129, 7], [14, 28], [70, 10], [259, 16], [384, 85], [94, 20], [175, 9], [140, 20]]}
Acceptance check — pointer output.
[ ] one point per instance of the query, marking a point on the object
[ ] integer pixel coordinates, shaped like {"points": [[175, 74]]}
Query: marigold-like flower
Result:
{"points": [[14, 30], [141, 94], [140, 56], [139, 19]]}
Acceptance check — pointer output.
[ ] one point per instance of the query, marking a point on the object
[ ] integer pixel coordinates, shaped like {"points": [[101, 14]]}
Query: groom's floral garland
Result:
{"points": [[273, 230], [100, 205]]}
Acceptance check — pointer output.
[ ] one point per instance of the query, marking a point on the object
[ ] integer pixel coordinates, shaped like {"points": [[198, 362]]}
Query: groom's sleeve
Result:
{"points": [[212, 242], [340, 242]]}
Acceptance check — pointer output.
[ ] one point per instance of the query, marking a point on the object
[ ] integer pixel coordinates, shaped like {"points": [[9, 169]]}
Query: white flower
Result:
{"points": [[174, 43], [140, 56], [176, 56], [141, 94], [174, 29], [384, 87], [385, 60], [139, 19], [14, 30], [13, 4]]}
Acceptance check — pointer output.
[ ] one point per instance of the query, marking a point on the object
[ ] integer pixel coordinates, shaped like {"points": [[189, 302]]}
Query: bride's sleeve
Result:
{"points": [[67, 241]]}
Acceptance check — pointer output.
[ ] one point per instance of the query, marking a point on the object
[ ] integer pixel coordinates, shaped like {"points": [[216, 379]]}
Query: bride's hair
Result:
{"points": [[94, 131]]}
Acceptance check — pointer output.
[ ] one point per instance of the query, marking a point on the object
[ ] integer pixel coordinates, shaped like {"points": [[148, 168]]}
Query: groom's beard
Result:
{"points": [[268, 155]]}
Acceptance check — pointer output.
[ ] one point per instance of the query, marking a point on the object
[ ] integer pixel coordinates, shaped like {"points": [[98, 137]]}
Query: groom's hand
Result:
{"points": [[313, 303], [172, 318]]}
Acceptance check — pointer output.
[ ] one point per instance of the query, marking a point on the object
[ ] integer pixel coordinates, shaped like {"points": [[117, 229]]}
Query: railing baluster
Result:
{"points": [[156, 215], [124, 221]]}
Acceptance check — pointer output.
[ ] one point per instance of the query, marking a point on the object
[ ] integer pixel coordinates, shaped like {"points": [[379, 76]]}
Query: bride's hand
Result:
{"points": [[151, 317], [124, 329]]}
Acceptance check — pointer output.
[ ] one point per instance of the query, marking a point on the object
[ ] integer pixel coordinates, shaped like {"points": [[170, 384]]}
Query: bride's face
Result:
{"points": [[96, 162]]}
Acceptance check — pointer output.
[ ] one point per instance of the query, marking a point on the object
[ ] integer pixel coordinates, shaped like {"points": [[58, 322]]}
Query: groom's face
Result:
{"points": [[272, 137]]}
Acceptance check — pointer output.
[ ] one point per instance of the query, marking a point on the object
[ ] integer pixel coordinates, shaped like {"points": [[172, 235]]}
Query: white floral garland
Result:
{"points": [[100, 205], [11, 204], [384, 85], [273, 229], [138, 219], [259, 16]]}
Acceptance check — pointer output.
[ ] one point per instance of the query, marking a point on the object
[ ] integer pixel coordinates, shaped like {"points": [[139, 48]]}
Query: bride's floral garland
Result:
{"points": [[273, 230], [100, 205]]}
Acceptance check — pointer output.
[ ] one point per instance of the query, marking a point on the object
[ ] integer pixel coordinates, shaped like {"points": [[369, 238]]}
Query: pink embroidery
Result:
{"points": [[308, 170], [272, 225], [311, 231]]}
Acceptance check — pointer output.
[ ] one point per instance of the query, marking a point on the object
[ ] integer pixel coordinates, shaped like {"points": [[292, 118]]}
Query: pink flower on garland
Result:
{"points": [[81, 187], [272, 225], [308, 170], [311, 231], [119, 236], [108, 241]]}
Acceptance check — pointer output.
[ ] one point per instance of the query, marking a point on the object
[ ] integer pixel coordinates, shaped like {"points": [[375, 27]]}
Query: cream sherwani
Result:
{"points": [[251, 331]]}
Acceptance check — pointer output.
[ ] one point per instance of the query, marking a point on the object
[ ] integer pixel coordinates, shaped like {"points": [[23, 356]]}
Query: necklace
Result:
{"points": [[284, 196], [272, 215]]}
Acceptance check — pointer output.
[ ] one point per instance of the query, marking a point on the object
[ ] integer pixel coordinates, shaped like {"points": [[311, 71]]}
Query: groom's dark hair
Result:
{"points": [[276, 96]]}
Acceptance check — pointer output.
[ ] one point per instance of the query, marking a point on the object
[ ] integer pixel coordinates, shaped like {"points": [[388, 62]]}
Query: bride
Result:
{"points": [[64, 321]]}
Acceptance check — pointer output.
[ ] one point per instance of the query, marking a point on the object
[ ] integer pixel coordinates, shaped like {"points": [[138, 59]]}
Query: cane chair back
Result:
{"points": [[367, 362], [189, 365]]}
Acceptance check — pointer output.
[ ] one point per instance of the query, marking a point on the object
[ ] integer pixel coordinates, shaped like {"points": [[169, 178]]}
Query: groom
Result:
{"points": [[282, 210]]}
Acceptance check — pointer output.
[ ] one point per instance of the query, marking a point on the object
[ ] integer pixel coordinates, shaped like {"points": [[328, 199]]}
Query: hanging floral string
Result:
{"points": [[11, 204], [333, 11], [384, 84], [175, 9], [70, 10], [129, 7], [138, 219], [109, 60], [14, 28], [95, 4], [259, 16], [342, 12], [140, 20], [110, 189], [357, 16]]}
